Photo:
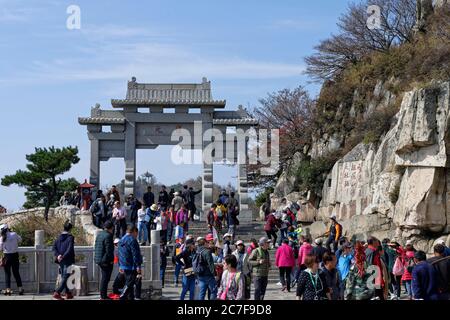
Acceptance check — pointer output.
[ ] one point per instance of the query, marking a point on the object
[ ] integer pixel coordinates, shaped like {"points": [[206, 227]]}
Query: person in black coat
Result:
{"points": [[104, 256], [149, 197], [163, 199]]}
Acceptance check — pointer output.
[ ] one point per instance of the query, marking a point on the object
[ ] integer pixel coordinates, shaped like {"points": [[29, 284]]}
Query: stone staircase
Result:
{"points": [[245, 232]]}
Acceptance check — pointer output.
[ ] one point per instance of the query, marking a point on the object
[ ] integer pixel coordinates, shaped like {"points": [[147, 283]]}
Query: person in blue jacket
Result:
{"points": [[64, 252], [423, 278], [130, 261]]}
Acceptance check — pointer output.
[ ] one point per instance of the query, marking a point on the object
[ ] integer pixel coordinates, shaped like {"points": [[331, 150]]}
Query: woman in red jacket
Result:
{"points": [[408, 263], [285, 261], [271, 227]]}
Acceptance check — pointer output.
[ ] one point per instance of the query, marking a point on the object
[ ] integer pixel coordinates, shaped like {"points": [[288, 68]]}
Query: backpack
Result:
{"points": [[410, 266], [398, 268], [94, 207], [198, 264], [295, 207], [219, 212]]}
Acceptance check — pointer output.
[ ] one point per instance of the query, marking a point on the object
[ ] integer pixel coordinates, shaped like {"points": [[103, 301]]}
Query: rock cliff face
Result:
{"points": [[399, 188]]}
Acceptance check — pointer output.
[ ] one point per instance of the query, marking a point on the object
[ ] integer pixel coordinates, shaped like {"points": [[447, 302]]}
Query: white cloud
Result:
{"points": [[152, 62]]}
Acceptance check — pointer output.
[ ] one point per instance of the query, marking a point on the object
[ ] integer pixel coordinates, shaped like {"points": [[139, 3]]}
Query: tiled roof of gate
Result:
{"points": [[117, 103], [248, 121], [100, 120], [168, 94]]}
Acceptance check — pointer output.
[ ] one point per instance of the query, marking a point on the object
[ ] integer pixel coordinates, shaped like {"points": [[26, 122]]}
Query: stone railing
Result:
{"points": [[39, 272]]}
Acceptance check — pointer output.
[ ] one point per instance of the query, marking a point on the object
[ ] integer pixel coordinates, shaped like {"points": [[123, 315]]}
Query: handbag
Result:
{"points": [[224, 294], [189, 272], [398, 268]]}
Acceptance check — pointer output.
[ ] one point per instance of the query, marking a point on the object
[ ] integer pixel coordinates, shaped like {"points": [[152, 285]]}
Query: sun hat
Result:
{"points": [[154, 207], [264, 240]]}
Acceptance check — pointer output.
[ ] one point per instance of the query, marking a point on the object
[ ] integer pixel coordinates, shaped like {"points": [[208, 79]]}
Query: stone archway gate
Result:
{"points": [[143, 121]]}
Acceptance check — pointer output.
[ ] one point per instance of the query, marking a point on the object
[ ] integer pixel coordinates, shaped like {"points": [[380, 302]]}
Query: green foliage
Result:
{"points": [[312, 173], [41, 177], [263, 196]]}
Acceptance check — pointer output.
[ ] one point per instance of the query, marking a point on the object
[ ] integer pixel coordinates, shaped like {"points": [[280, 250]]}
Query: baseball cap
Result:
{"points": [[209, 237], [348, 245], [199, 238], [318, 241], [116, 240], [227, 235], [239, 242], [264, 240]]}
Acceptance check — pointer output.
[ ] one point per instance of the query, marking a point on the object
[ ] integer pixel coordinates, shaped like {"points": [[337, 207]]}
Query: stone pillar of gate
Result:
{"points": [[245, 214], [208, 172], [94, 175], [130, 157]]}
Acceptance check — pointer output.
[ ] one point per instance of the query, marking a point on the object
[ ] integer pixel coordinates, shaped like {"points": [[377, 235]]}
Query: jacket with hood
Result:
{"points": [[64, 246]]}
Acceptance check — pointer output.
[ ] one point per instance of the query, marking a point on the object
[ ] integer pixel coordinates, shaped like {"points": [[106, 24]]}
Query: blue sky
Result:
{"points": [[49, 75]]}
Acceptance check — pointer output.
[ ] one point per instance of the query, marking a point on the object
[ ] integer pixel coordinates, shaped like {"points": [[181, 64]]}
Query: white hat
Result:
{"points": [[239, 242], [199, 238], [409, 242], [227, 235], [189, 236], [318, 241], [116, 240], [177, 193], [441, 241], [154, 207], [4, 226]]}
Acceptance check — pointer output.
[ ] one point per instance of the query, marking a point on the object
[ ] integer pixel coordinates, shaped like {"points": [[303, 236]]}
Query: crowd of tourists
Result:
{"points": [[356, 270], [329, 267], [166, 213]]}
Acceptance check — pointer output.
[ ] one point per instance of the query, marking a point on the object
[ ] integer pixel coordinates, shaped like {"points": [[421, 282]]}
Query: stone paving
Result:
{"points": [[170, 292]]}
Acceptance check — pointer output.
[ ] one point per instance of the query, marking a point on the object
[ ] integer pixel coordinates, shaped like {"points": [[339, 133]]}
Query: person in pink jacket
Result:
{"points": [[304, 250], [285, 261], [183, 216]]}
